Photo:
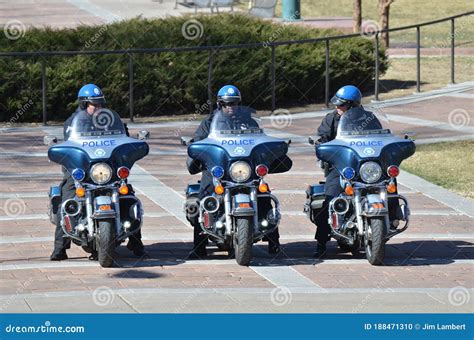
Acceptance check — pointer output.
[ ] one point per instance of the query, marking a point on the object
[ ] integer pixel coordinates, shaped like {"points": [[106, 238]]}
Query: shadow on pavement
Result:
{"points": [[411, 253]]}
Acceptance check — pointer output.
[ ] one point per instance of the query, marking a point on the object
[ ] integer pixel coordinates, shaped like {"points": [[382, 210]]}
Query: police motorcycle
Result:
{"points": [[98, 155], [241, 210], [369, 210]]}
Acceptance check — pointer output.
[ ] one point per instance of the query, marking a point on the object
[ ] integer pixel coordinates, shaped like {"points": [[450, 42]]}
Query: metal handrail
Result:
{"points": [[272, 44]]}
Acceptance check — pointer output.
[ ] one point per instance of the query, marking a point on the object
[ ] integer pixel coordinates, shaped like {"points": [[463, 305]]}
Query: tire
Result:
{"points": [[106, 242], [243, 240], [374, 240]]}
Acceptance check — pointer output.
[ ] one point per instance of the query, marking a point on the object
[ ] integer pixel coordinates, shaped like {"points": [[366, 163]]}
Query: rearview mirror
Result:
{"points": [[410, 135], [50, 140], [186, 140], [143, 135]]}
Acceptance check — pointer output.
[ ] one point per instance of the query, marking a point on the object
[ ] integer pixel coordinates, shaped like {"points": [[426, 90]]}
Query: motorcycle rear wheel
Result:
{"points": [[374, 240], [106, 242], [243, 240]]}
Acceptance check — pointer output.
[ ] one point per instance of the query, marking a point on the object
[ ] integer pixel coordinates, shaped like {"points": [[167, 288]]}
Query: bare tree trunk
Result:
{"points": [[384, 11], [357, 16]]}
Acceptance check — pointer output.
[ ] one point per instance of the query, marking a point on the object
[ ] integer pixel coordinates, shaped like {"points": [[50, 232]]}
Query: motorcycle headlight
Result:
{"points": [[370, 172], [240, 171], [101, 173]]}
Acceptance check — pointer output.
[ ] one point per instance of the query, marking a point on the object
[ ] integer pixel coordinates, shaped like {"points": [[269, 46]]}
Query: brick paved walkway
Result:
{"points": [[426, 266]]}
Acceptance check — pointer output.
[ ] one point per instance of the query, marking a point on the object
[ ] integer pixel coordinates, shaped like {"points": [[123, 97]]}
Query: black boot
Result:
{"points": [[198, 253], [273, 247], [94, 256], [136, 246], [59, 256], [320, 251], [200, 242], [273, 242]]}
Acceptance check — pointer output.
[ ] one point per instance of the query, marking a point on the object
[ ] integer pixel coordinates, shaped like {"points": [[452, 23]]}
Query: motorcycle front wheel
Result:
{"points": [[106, 240], [374, 240], [243, 240]]}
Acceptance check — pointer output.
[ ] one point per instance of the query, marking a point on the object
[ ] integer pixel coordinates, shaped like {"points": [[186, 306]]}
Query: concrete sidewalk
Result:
{"points": [[72, 13]]}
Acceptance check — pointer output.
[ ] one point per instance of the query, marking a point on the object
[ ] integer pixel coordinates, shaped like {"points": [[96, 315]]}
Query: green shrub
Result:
{"points": [[175, 83]]}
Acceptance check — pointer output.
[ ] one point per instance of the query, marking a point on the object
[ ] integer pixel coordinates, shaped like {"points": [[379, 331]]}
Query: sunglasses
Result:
{"points": [[229, 104], [343, 105]]}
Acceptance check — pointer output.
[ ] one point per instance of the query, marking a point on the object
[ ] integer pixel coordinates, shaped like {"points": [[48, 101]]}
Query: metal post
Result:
{"points": [[273, 79], [377, 62], [452, 51], [326, 87], [417, 58], [130, 86], [291, 10], [209, 80], [43, 90]]}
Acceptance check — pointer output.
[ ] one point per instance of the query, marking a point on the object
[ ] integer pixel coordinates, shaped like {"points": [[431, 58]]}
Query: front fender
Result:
{"points": [[103, 208], [374, 205], [242, 205]]}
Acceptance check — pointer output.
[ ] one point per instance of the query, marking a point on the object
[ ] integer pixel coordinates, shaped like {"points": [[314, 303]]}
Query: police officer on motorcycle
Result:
{"points": [[237, 117], [91, 100], [346, 98]]}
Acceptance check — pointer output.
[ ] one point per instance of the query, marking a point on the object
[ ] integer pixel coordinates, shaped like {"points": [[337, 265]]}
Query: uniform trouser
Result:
{"points": [[68, 190], [206, 189], [332, 188], [61, 243]]}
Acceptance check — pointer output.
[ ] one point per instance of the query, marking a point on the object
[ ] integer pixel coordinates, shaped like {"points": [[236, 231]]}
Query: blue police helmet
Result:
{"points": [[90, 93], [229, 94], [348, 95]]}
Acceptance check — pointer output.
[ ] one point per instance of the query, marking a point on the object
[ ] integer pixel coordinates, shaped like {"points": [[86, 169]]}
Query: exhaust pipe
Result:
{"points": [[71, 207], [340, 205], [210, 204]]}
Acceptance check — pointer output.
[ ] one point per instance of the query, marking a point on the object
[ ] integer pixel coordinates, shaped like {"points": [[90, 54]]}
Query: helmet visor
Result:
{"points": [[339, 101], [96, 101], [229, 100]]}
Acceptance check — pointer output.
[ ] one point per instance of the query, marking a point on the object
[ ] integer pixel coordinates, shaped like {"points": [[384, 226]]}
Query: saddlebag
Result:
{"points": [[54, 203], [193, 190], [314, 200]]}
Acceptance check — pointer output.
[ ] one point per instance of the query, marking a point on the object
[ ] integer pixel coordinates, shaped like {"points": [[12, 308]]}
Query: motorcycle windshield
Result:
{"points": [[238, 137], [360, 137], [103, 123], [98, 137]]}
